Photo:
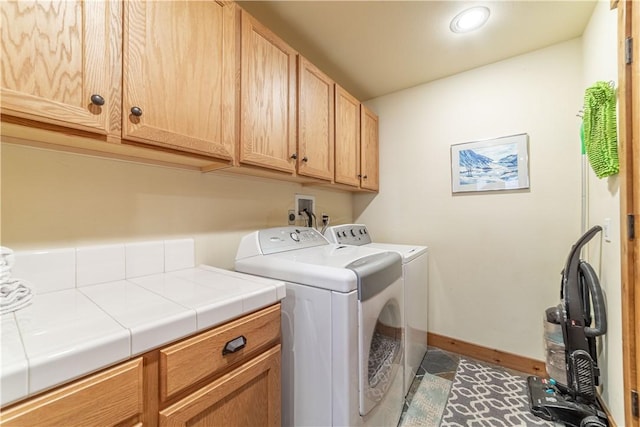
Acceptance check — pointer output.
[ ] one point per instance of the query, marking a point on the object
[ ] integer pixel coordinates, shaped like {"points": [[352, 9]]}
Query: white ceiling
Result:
{"points": [[373, 48]]}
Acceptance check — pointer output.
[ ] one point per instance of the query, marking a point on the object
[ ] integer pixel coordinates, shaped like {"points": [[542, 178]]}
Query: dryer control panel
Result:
{"points": [[348, 234]]}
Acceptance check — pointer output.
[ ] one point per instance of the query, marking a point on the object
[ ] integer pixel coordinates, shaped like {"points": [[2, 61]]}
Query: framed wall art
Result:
{"points": [[492, 164]]}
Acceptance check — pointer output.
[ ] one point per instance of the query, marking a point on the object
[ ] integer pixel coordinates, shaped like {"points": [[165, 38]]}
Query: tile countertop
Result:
{"points": [[78, 323]]}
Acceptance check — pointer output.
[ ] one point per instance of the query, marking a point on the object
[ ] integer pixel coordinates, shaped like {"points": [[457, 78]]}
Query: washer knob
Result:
{"points": [[353, 233], [294, 237]]}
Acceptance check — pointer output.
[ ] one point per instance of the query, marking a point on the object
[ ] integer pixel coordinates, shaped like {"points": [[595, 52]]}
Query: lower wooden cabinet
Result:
{"points": [[245, 397], [112, 397], [236, 383]]}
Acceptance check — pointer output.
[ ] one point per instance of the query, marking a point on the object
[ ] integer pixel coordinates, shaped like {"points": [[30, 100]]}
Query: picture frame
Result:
{"points": [[491, 165]]}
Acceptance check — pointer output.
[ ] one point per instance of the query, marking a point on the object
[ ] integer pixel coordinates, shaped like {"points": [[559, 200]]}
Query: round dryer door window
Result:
{"points": [[382, 351], [386, 347], [380, 334]]}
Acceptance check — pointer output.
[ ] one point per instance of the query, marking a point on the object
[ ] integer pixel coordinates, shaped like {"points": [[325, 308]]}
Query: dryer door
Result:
{"points": [[381, 350], [380, 329]]}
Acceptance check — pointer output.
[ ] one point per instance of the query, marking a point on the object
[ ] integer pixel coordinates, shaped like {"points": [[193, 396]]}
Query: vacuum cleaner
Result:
{"points": [[569, 395]]}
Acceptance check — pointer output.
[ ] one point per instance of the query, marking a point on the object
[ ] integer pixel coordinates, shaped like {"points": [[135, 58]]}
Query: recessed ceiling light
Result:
{"points": [[470, 19]]}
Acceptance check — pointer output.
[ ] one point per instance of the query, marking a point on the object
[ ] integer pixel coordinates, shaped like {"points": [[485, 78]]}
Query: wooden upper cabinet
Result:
{"points": [[315, 122], [179, 87], [267, 97], [347, 164], [55, 58], [369, 149]]}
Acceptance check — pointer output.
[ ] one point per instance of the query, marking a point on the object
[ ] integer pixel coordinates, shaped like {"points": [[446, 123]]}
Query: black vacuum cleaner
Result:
{"points": [[569, 396]]}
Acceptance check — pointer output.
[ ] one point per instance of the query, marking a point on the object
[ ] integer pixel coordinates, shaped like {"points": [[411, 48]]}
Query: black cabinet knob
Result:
{"points": [[97, 99], [305, 159], [234, 345], [136, 111], [364, 177], [294, 156]]}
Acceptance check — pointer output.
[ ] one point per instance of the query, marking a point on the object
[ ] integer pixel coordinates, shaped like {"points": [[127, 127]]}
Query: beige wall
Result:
{"points": [[495, 257], [53, 199], [599, 44]]}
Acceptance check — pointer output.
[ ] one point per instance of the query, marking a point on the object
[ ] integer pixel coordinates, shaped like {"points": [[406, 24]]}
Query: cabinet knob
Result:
{"points": [[294, 156], [359, 176], [136, 111], [364, 177], [305, 159], [97, 99]]}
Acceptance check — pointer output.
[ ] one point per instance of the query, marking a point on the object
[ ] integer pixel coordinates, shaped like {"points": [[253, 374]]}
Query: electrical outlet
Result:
{"points": [[325, 219], [606, 229], [291, 218]]}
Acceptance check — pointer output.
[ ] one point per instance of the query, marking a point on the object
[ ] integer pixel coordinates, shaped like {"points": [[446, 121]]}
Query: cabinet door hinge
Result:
{"points": [[631, 227], [634, 403], [628, 50]]}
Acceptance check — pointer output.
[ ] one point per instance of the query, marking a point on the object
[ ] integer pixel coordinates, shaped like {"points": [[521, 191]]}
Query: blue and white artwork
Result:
{"points": [[489, 164], [497, 164]]}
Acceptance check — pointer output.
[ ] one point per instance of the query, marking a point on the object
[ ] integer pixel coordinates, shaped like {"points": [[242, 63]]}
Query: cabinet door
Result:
{"points": [[55, 58], [268, 98], [112, 397], [246, 397], [369, 149], [347, 138], [179, 75], [315, 122]]}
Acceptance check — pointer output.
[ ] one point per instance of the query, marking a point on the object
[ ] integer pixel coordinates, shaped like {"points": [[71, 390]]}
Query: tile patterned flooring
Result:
{"points": [[440, 363], [437, 362]]}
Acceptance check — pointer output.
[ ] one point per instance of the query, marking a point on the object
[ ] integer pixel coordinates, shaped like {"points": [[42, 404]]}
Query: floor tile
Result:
{"points": [[438, 361]]}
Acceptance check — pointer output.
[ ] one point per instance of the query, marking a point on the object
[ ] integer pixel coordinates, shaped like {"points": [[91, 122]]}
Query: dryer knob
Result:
{"points": [[353, 233]]}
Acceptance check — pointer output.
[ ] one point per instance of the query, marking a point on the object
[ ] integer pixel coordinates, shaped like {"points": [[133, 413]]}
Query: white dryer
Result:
{"points": [[342, 321], [415, 271]]}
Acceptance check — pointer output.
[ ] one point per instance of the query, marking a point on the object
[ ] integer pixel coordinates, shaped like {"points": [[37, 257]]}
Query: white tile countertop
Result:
{"points": [[94, 307]]}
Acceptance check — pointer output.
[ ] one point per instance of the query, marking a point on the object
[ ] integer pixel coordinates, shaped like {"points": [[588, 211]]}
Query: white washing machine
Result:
{"points": [[415, 270], [342, 320]]}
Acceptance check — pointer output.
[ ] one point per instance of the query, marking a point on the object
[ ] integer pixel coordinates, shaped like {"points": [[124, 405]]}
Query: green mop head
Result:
{"points": [[600, 134]]}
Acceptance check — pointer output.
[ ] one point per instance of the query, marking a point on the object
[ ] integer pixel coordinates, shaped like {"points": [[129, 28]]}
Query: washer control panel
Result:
{"points": [[348, 234], [280, 239]]}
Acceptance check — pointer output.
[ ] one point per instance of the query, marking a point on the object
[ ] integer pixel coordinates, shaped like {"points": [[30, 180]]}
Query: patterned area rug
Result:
{"points": [[427, 403], [482, 396]]}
